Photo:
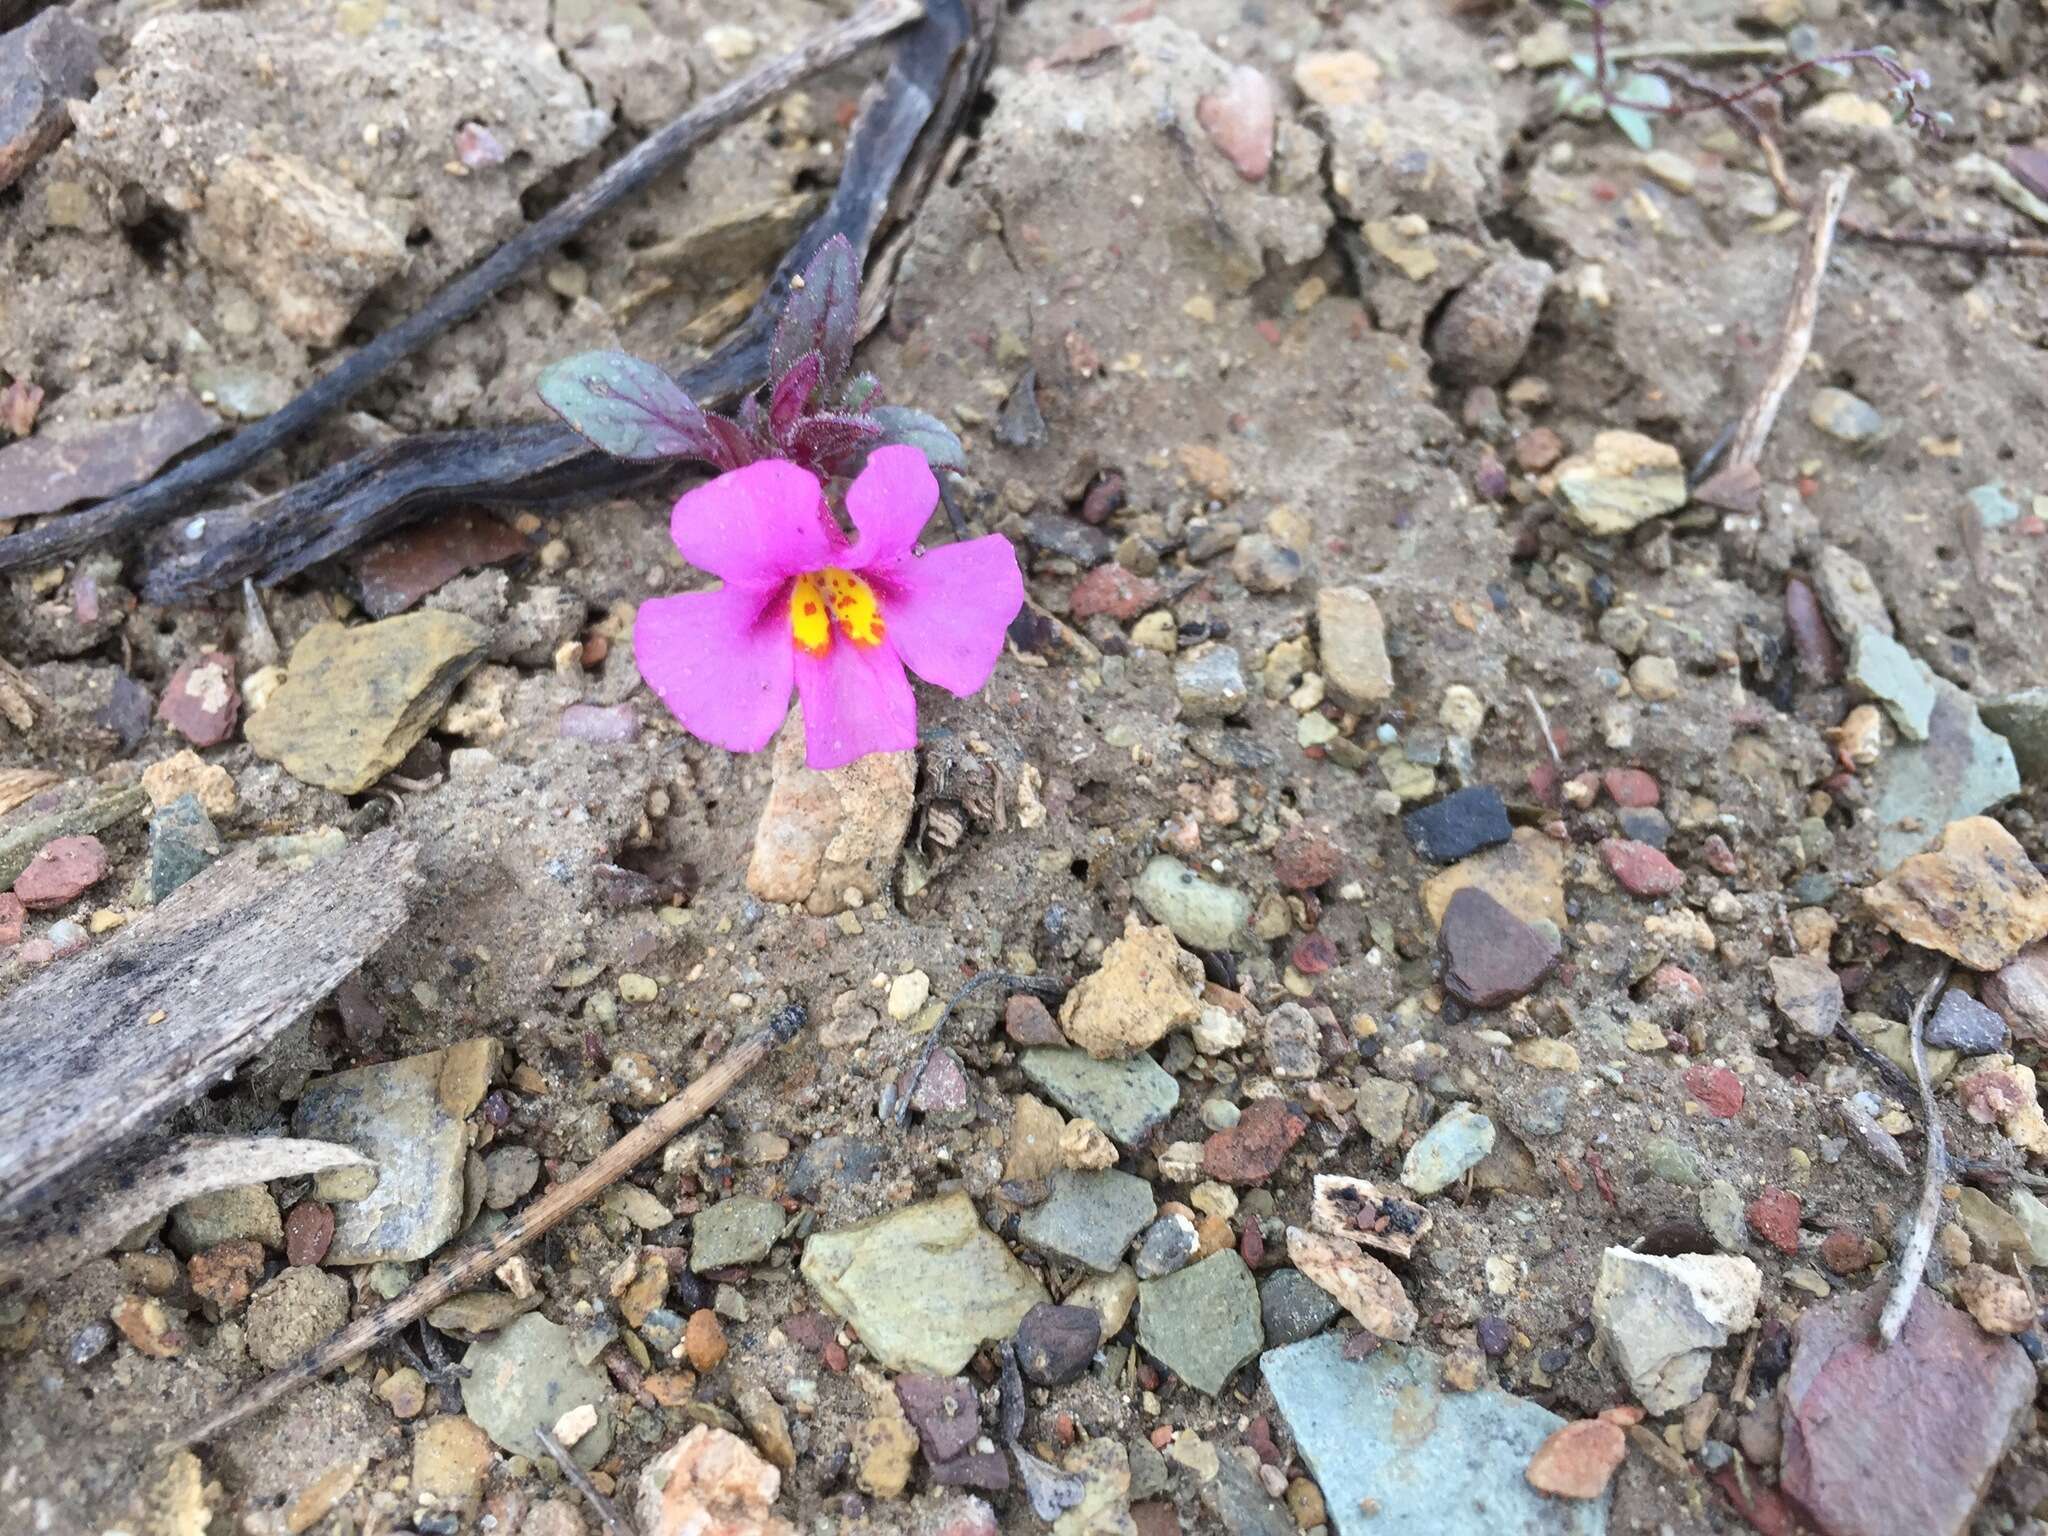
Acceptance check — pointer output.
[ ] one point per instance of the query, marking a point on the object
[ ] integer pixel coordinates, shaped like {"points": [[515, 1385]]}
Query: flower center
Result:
{"points": [[821, 599]]}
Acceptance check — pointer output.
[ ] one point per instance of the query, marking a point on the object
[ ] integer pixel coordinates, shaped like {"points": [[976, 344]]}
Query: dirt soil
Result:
{"points": [[1268, 366]]}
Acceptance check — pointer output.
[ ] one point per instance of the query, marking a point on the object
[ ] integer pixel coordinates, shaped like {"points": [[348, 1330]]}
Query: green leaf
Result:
{"points": [[922, 431], [628, 407], [1644, 90], [1632, 123]]}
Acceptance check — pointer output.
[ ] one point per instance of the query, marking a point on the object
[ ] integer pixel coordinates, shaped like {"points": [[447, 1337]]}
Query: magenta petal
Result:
{"points": [[889, 501], [856, 700], [949, 609], [756, 526], [720, 661]]}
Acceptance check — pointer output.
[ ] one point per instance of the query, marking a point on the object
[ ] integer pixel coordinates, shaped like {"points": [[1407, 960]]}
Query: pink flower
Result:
{"points": [[839, 620]]}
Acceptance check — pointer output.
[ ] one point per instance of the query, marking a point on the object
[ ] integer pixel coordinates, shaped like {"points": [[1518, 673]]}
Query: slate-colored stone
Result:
{"points": [[2022, 719], [44, 64], [525, 1377], [1459, 824], [1089, 1218], [182, 841], [1882, 669], [1397, 1453], [943, 1410], [737, 1230], [1129, 1099], [1885, 1441], [1490, 956], [394, 573], [834, 1162], [1808, 994], [926, 1286], [396, 1114], [1962, 1024], [1293, 1307], [1202, 1323]]}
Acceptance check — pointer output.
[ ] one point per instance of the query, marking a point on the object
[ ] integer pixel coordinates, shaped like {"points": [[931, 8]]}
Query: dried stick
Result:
{"points": [[1913, 1262], [162, 498], [1737, 484], [1543, 725], [607, 1513], [449, 1278]]}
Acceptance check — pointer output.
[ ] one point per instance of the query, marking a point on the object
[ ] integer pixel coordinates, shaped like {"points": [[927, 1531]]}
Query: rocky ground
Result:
{"points": [[1455, 901]]}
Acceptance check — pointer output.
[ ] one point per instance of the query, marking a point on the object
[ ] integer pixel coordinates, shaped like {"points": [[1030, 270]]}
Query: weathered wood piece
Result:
{"points": [[101, 1047]]}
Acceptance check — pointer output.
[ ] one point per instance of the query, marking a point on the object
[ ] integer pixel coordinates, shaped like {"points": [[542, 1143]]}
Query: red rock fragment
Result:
{"points": [[1847, 1253], [1756, 1501], [1027, 1021], [1717, 1089], [60, 872], [1640, 869], [1239, 121], [1719, 856], [1774, 1217], [1819, 653], [1313, 954], [1631, 787], [308, 1232], [396, 572], [1304, 859], [1155, 1517], [1676, 983], [1537, 449], [1578, 1460], [12, 915], [1111, 589], [1251, 1151], [202, 702], [1904, 1439]]}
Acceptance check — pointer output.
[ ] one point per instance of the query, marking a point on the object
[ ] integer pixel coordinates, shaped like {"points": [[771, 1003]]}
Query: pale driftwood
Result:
{"points": [[141, 1187], [1913, 1261], [1738, 484], [100, 1047], [467, 1268]]}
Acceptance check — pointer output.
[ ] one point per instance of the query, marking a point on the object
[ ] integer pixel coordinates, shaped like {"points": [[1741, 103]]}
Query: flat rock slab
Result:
{"points": [[356, 700], [1128, 1099], [1963, 767], [1202, 1323], [1661, 1319], [1382, 1434], [926, 1286], [1458, 825], [406, 1117], [525, 1377], [42, 66], [1962, 1024], [1898, 1442], [55, 468], [1089, 1218], [1882, 669]]}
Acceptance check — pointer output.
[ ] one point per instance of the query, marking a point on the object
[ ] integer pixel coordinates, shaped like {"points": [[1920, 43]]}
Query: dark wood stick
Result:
{"points": [[896, 149], [464, 1270], [168, 494], [1738, 484]]}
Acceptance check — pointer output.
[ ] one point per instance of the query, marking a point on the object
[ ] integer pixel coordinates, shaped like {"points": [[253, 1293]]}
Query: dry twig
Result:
{"points": [[164, 497], [1543, 725], [1738, 484], [1913, 1261], [607, 1513], [455, 1275]]}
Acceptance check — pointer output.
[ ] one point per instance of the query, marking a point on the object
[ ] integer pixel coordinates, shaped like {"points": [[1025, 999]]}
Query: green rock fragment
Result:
{"points": [[1882, 669], [1128, 1099], [1202, 914], [524, 1378], [1202, 1322], [926, 1286], [739, 1230]]}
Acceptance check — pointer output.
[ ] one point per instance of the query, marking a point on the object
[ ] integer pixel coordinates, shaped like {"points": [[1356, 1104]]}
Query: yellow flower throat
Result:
{"points": [[822, 598]]}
